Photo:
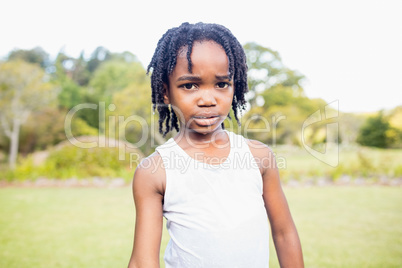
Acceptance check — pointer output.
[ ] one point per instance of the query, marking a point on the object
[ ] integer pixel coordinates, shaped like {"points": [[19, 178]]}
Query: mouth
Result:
{"points": [[206, 121]]}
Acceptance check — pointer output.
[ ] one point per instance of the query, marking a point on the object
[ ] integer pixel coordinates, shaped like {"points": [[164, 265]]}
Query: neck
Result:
{"points": [[193, 137]]}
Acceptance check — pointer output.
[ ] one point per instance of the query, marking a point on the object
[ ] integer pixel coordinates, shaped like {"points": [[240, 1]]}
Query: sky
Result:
{"points": [[349, 51]]}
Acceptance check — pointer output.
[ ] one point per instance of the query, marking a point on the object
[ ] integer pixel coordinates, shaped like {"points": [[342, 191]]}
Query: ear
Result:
{"points": [[165, 94]]}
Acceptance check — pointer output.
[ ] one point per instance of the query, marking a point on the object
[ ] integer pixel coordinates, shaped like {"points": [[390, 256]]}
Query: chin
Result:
{"points": [[206, 129]]}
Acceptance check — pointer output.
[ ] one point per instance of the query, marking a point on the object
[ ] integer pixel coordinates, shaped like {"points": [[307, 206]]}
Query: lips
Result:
{"points": [[206, 120]]}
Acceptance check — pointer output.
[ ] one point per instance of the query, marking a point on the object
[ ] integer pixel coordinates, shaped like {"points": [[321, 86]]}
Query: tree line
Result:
{"points": [[37, 93]]}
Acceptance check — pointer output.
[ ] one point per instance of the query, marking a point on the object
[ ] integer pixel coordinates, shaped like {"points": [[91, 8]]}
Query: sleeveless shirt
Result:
{"points": [[215, 213]]}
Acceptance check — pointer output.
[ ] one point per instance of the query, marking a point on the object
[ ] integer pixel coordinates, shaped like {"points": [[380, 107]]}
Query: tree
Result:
{"points": [[280, 118], [278, 103], [79, 73], [133, 105], [45, 128], [395, 121], [23, 89], [395, 118], [36, 56], [100, 55], [110, 78], [114, 75], [374, 132], [266, 70], [70, 73]]}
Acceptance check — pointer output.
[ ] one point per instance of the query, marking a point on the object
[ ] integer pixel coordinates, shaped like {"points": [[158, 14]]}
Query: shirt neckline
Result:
{"points": [[205, 164]]}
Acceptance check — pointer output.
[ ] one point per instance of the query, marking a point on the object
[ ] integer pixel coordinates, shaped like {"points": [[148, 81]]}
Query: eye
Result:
{"points": [[222, 85], [189, 86]]}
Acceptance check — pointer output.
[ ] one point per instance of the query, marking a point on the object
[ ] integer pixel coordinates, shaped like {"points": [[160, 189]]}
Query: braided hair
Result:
{"points": [[165, 57]]}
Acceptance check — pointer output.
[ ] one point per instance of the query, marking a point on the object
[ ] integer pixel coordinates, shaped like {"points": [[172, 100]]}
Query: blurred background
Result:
{"points": [[76, 119]]}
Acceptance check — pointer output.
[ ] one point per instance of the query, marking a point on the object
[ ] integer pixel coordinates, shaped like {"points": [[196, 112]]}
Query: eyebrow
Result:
{"points": [[222, 77], [197, 78], [189, 78]]}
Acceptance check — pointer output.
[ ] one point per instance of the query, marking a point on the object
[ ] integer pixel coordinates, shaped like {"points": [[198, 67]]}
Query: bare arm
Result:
{"points": [[148, 196], [284, 233]]}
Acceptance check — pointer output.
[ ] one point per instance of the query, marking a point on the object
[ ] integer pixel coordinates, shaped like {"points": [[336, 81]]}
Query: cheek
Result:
{"points": [[229, 98], [229, 104]]}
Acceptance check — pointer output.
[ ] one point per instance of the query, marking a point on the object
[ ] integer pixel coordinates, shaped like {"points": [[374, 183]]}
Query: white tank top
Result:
{"points": [[215, 213]]}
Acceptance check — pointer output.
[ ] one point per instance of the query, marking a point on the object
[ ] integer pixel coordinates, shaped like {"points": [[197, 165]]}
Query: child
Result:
{"points": [[216, 189]]}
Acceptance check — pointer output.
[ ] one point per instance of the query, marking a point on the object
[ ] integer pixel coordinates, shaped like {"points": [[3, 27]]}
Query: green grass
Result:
{"points": [[65, 227], [88, 227], [348, 226]]}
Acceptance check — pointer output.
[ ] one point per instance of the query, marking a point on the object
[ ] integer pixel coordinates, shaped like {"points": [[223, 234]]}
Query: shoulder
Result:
{"points": [[263, 155], [150, 173], [259, 149]]}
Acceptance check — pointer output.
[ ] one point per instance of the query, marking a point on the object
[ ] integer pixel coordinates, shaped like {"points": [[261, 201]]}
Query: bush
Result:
{"points": [[81, 163], [73, 162], [374, 131]]}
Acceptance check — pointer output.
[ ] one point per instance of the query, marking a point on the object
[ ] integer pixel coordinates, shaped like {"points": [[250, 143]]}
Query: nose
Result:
{"points": [[206, 98]]}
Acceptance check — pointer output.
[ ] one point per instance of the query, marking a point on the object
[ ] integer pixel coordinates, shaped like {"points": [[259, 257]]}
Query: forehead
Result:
{"points": [[203, 53], [182, 51]]}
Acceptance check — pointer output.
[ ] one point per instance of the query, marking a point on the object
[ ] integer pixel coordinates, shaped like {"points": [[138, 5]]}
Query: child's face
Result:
{"points": [[201, 99]]}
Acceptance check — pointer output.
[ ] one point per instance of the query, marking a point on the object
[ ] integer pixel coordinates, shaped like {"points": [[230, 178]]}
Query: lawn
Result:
{"points": [[93, 227]]}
